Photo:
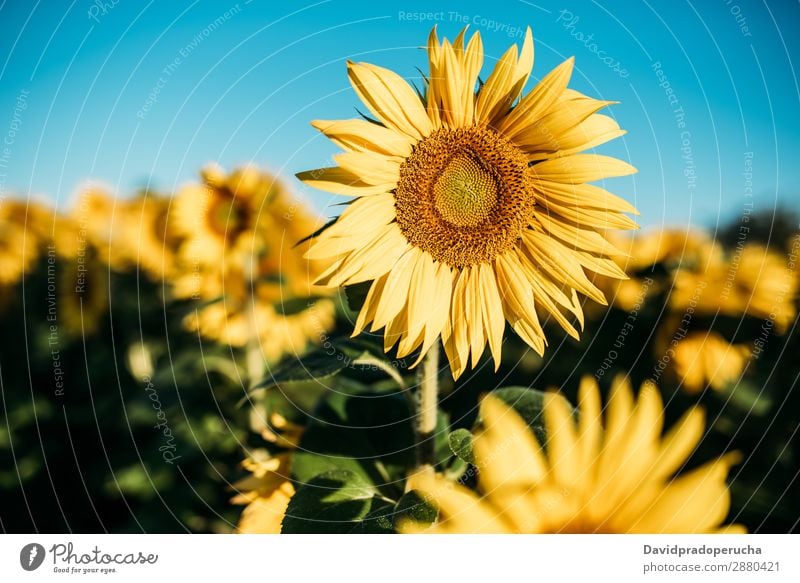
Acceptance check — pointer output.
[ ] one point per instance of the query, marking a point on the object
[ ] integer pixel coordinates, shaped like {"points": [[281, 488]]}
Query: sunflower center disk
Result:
{"points": [[464, 195], [465, 192]]}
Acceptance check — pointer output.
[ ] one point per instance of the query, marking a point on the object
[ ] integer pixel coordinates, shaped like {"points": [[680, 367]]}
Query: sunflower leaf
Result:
{"points": [[460, 442], [416, 507], [332, 502], [313, 366]]}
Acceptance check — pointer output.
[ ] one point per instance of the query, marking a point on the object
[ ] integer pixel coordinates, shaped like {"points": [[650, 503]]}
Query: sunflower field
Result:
{"points": [[478, 339]]}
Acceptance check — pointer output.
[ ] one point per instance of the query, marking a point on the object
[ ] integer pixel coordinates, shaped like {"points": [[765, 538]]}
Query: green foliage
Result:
{"points": [[332, 502], [460, 442]]}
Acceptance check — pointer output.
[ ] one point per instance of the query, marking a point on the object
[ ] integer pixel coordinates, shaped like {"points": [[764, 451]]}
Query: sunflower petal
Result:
{"points": [[390, 98]]}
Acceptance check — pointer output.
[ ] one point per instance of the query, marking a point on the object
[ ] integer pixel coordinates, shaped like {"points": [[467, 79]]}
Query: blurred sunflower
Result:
{"points": [[643, 255], [221, 217], [18, 252], [252, 279], [267, 490], [472, 207], [703, 359], [23, 232], [99, 220], [235, 321], [751, 280], [594, 477], [150, 239], [83, 294]]}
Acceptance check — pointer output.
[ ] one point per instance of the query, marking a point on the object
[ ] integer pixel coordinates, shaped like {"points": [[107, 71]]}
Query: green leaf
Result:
{"points": [[379, 519], [529, 404], [416, 507], [360, 431], [330, 503], [326, 361], [748, 397], [460, 442], [315, 365]]}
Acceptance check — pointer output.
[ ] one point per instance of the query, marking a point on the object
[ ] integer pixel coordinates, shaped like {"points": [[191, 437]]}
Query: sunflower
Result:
{"points": [[149, 239], [594, 477], [222, 217], [471, 208], [265, 492], [235, 321], [35, 217], [100, 220], [670, 248], [704, 359], [751, 280], [23, 230], [83, 295], [258, 287], [18, 252]]}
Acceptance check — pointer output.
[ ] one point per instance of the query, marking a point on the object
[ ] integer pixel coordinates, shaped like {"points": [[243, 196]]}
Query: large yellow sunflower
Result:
{"points": [[472, 207], [596, 476]]}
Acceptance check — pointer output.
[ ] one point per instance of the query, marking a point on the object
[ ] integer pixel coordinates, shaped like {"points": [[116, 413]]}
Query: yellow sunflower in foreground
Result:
{"points": [[471, 208], [615, 476]]}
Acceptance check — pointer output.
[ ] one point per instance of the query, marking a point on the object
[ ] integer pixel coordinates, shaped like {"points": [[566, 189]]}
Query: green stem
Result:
{"points": [[254, 360], [427, 407]]}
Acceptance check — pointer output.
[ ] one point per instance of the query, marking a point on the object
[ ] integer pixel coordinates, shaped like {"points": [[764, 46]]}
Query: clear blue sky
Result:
{"points": [[75, 79]]}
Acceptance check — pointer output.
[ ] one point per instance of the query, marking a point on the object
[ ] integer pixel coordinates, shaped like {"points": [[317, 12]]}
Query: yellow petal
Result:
{"points": [[500, 90], [340, 181], [562, 442], [359, 135], [370, 167], [492, 310], [390, 98], [581, 168], [506, 452], [534, 104]]}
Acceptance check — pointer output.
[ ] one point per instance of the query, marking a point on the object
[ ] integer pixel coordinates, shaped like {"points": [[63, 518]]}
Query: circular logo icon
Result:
{"points": [[31, 556]]}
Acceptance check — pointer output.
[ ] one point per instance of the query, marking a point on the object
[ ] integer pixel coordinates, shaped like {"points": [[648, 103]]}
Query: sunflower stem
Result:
{"points": [[427, 407], [253, 357]]}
